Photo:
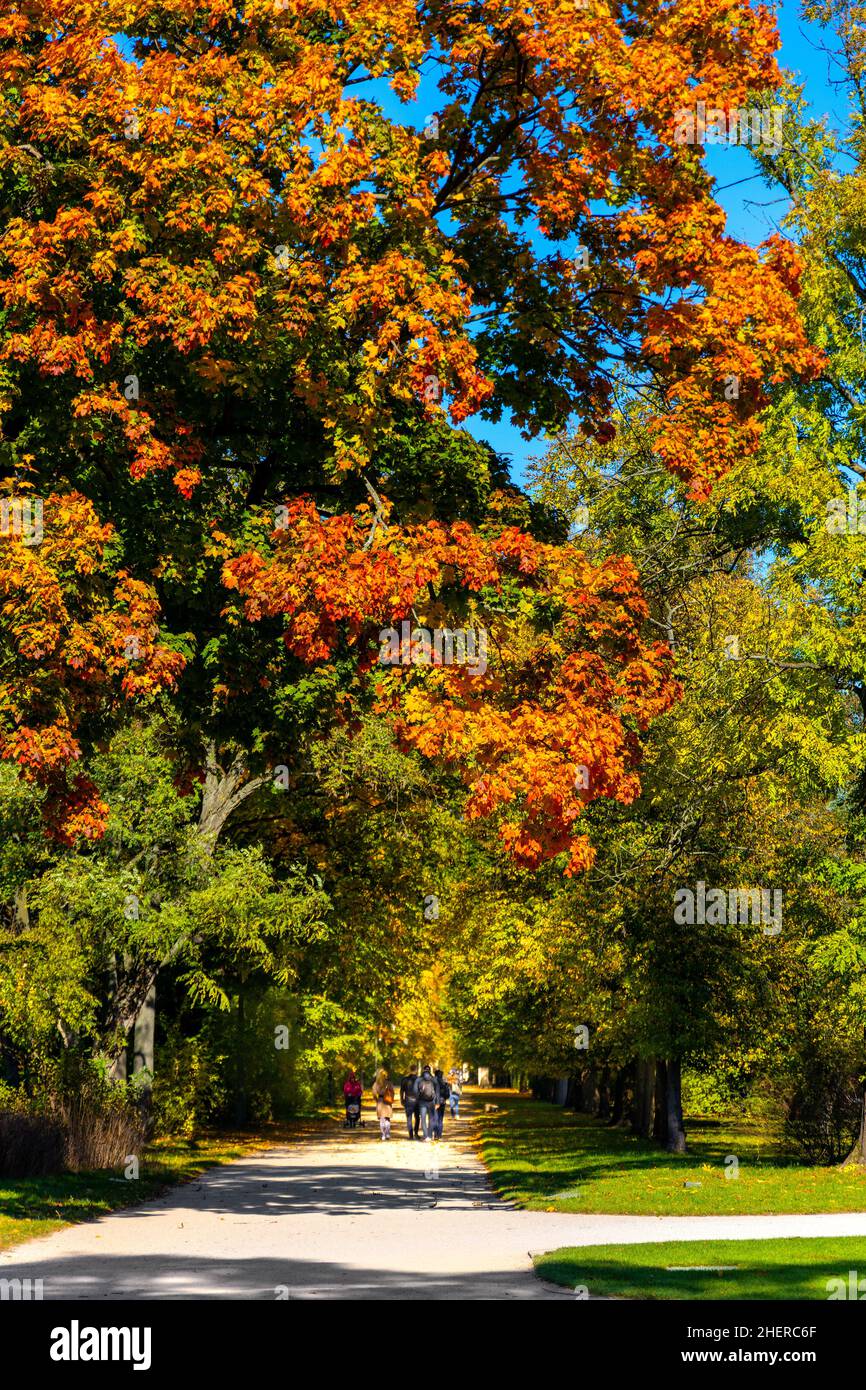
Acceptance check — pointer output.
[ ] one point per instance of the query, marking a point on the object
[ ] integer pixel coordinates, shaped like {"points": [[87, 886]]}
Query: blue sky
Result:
{"points": [[753, 210]]}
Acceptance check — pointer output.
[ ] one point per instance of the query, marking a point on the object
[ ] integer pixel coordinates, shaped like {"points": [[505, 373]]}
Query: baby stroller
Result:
{"points": [[353, 1112]]}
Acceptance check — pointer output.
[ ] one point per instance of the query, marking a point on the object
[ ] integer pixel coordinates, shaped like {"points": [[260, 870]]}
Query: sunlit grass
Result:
{"points": [[547, 1158], [796, 1268]]}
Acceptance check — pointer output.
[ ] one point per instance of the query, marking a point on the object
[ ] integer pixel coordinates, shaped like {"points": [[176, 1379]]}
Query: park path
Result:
{"points": [[342, 1215]]}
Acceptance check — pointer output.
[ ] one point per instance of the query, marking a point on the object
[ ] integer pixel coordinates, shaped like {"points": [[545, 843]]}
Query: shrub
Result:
{"points": [[824, 1112], [79, 1120], [31, 1146], [259, 1079], [102, 1124], [187, 1089]]}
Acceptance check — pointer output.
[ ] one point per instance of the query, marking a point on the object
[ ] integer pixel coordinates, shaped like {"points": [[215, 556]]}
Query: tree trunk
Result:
{"points": [[224, 790], [132, 984], [20, 909], [675, 1139], [117, 1067], [858, 1153], [660, 1119], [241, 1106], [143, 1035], [644, 1095], [589, 1091], [603, 1111], [620, 1087]]}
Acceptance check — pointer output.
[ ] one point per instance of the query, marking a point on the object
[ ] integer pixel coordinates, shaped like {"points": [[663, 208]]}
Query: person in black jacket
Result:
{"points": [[428, 1099], [409, 1101], [442, 1101]]}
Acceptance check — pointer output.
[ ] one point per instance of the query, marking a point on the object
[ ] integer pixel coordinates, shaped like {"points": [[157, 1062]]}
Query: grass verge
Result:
{"points": [[795, 1268], [546, 1158]]}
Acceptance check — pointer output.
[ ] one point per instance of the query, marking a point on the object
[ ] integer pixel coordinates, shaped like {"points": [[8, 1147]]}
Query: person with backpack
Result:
{"points": [[428, 1099], [456, 1090], [383, 1095], [444, 1093], [409, 1102]]}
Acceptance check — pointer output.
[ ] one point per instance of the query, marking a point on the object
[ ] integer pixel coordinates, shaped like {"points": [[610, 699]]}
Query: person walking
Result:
{"points": [[409, 1102], [383, 1095], [444, 1093], [456, 1082], [428, 1099], [352, 1092]]}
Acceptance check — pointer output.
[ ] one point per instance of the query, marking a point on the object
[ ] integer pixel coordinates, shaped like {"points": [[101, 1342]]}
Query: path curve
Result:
{"points": [[343, 1215]]}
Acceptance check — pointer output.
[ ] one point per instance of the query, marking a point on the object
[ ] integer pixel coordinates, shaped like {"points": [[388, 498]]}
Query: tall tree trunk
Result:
{"points": [[620, 1087], [603, 1111], [675, 1139], [660, 1119], [858, 1152], [644, 1095], [241, 1105], [117, 1067], [118, 1023], [131, 986], [589, 1091], [143, 1035], [20, 909]]}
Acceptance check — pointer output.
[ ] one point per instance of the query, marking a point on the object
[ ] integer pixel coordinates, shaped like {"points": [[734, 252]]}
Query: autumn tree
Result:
{"points": [[229, 276], [244, 310]]}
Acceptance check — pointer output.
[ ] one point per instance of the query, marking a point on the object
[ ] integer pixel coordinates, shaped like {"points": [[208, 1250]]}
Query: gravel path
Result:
{"points": [[346, 1216]]}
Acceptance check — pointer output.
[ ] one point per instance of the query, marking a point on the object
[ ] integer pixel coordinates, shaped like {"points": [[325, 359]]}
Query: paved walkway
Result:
{"points": [[346, 1216]]}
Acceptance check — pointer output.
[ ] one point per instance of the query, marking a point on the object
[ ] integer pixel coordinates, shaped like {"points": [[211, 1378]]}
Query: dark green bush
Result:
{"points": [[824, 1112]]}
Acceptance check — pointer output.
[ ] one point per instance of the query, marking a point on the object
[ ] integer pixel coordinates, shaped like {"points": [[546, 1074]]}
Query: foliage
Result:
{"points": [[824, 1113], [187, 1093]]}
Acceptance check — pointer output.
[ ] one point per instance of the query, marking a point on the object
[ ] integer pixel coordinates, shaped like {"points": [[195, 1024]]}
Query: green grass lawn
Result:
{"points": [[546, 1158], [795, 1268], [35, 1206]]}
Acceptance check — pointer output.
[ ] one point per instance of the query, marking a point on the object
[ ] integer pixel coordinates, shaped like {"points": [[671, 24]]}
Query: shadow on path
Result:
{"points": [[98, 1277]]}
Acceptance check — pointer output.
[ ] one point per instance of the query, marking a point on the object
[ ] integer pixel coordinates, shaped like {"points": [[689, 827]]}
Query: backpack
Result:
{"points": [[426, 1089], [444, 1091], [388, 1095]]}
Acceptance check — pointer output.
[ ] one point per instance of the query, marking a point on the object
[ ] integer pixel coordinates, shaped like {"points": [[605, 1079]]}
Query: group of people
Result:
{"points": [[424, 1097]]}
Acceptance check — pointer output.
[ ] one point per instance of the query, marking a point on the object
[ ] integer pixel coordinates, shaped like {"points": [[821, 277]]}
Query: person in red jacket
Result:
{"points": [[352, 1090]]}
